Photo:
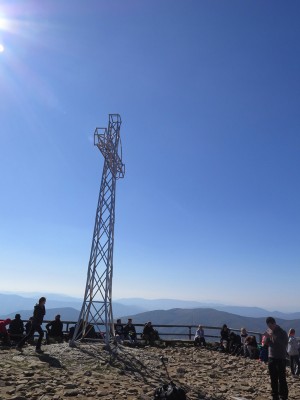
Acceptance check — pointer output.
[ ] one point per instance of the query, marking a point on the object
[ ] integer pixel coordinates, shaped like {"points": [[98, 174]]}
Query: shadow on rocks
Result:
{"points": [[52, 361]]}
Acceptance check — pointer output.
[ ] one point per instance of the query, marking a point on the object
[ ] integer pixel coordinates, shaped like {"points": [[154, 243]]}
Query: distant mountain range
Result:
{"points": [[167, 304], [209, 317], [159, 311]]}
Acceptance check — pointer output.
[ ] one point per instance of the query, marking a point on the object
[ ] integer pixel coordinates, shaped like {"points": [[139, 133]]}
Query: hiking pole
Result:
{"points": [[164, 360]]}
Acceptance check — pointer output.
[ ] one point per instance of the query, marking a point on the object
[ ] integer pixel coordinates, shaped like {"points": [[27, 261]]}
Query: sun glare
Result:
{"points": [[1, 48]]}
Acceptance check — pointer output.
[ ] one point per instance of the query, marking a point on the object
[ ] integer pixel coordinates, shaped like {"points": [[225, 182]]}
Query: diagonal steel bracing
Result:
{"points": [[96, 312]]}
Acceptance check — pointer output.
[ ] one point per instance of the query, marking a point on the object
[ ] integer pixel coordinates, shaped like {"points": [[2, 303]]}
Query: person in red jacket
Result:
{"points": [[3, 331]]}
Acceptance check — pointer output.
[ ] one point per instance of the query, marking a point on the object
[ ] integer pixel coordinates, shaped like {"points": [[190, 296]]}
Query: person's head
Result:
{"points": [[130, 321], [57, 317], [292, 332], [270, 321], [224, 327], [42, 301], [200, 327], [17, 316], [243, 331], [149, 323], [118, 321]]}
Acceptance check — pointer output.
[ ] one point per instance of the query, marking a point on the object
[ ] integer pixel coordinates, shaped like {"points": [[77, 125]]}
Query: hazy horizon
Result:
{"points": [[209, 303]]}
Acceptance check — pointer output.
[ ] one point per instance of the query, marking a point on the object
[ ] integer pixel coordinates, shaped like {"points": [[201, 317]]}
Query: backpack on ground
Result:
{"points": [[169, 392]]}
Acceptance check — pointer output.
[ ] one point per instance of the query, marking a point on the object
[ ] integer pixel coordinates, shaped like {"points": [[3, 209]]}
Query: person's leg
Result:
{"points": [[292, 364], [6, 340], [273, 371], [41, 335], [298, 365], [283, 387]]}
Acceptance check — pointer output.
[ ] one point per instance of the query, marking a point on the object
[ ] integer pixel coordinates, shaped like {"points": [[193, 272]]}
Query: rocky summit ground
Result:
{"points": [[91, 372]]}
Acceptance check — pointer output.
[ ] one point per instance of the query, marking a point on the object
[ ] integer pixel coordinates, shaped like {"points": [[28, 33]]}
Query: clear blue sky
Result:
{"points": [[209, 95]]}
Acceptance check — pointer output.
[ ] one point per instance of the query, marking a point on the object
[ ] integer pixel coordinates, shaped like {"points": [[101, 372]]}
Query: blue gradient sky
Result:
{"points": [[208, 92]]}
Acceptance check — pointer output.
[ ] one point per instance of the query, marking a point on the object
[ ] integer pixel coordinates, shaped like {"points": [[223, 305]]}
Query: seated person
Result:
{"points": [[224, 338], [90, 332], [55, 329], [235, 343], [3, 331], [28, 329], [251, 345], [71, 332], [129, 331], [16, 328], [119, 330], [244, 334], [149, 333], [199, 337]]}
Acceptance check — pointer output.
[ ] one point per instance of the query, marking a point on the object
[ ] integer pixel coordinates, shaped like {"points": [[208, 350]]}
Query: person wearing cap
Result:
{"points": [[277, 341], [16, 328], [55, 329]]}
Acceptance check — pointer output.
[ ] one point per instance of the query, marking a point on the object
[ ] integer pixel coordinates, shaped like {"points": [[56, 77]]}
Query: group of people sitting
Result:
{"points": [[241, 345], [128, 332], [235, 344], [12, 331], [246, 345]]}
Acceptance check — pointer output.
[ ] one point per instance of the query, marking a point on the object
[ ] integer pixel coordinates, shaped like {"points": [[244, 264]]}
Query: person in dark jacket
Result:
{"points": [[149, 333], [224, 333], [54, 329], [38, 317], [16, 328], [277, 340], [130, 331]]}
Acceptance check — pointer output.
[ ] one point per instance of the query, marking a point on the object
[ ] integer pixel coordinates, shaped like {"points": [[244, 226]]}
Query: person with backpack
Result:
{"points": [[36, 326], [293, 352]]}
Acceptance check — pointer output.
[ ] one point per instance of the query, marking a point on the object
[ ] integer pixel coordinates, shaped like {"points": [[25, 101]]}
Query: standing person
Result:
{"points": [[277, 340], [293, 352], [37, 320]]}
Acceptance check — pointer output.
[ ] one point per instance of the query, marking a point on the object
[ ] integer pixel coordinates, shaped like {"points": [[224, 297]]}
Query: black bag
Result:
{"points": [[169, 392]]}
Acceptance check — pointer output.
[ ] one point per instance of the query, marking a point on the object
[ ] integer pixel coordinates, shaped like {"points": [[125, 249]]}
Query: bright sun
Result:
{"points": [[1, 48]]}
